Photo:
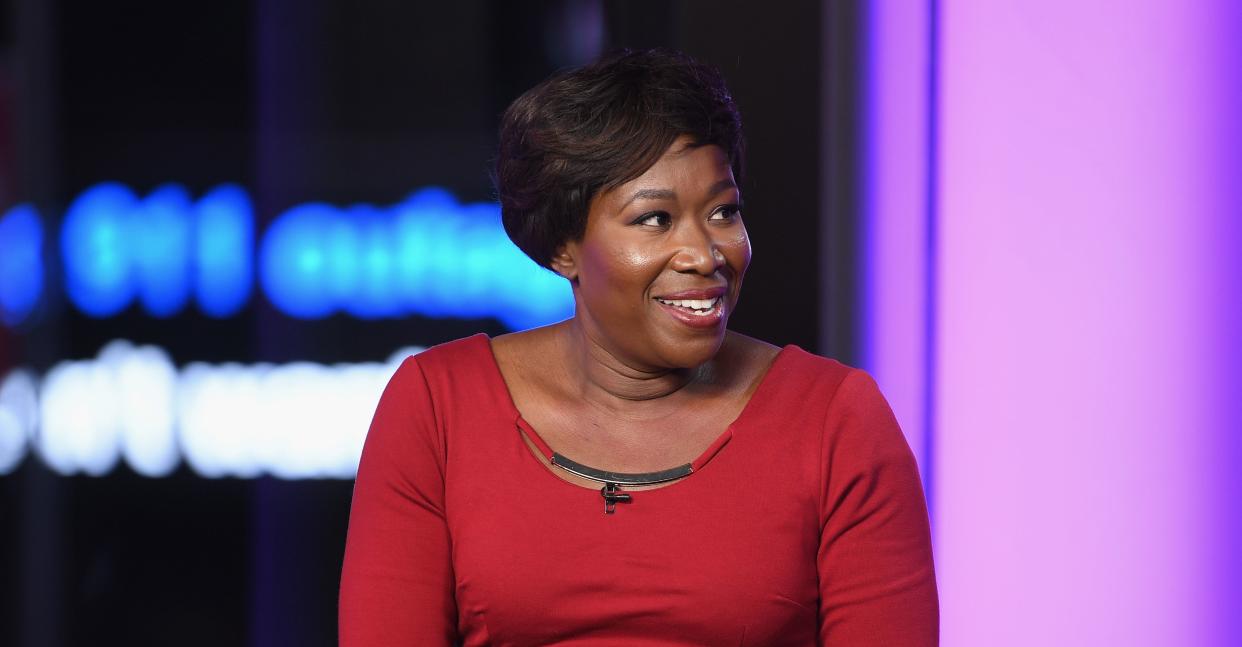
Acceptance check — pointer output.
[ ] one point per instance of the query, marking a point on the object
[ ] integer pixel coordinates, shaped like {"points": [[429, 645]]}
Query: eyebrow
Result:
{"points": [[669, 194]]}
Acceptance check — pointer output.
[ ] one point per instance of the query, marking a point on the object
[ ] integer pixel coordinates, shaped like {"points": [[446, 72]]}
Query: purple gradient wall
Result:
{"points": [[1083, 205], [895, 311]]}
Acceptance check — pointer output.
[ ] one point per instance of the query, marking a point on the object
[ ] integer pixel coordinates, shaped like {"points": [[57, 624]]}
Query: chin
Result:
{"points": [[692, 352]]}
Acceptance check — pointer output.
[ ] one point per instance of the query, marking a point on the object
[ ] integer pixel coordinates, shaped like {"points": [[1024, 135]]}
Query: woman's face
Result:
{"points": [[659, 269]]}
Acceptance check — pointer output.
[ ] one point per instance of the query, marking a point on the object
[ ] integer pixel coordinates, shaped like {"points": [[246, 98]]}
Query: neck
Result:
{"points": [[610, 379]]}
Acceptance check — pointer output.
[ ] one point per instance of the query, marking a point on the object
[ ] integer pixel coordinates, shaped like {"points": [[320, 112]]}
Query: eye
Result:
{"points": [[726, 212], [654, 219]]}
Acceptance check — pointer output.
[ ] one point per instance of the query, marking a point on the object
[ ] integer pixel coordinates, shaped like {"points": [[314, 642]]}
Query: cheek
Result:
{"points": [[618, 270], [736, 251]]}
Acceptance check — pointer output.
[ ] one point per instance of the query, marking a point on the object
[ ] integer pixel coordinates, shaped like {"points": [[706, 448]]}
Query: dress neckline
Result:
{"points": [[765, 384]]}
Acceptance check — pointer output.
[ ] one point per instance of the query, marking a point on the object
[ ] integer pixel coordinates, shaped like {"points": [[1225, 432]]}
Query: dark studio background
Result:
{"points": [[342, 102]]}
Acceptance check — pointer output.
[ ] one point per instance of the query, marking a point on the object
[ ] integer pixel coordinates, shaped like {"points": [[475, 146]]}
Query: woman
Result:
{"points": [[637, 474]]}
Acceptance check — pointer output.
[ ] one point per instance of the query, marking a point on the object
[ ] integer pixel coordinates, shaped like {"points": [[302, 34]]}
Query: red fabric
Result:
{"points": [[805, 524]]}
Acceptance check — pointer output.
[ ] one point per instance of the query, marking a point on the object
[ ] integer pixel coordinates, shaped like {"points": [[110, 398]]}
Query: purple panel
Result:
{"points": [[893, 230], [1087, 423], [1224, 317]]}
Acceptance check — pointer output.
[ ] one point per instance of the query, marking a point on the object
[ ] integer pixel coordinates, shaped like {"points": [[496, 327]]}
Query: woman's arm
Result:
{"points": [[877, 585], [397, 582]]}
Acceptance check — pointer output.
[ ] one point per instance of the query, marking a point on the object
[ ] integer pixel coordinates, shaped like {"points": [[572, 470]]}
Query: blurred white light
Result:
{"points": [[294, 421], [79, 416], [290, 414], [146, 383], [19, 407], [217, 411], [12, 441]]}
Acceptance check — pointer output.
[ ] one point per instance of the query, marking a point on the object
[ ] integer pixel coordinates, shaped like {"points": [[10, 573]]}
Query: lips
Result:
{"points": [[703, 308]]}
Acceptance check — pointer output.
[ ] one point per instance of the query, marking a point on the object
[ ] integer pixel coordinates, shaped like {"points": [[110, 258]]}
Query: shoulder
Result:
{"points": [[808, 365], [472, 351], [843, 397], [794, 383], [845, 391], [457, 349], [451, 374], [798, 373]]}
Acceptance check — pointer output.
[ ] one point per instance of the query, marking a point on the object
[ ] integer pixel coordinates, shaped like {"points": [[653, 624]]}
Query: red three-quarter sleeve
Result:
{"points": [[397, 580], [877, 584]]}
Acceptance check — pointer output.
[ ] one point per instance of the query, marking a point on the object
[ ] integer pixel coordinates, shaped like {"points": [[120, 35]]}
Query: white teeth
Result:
{"points": [[692, 304]]}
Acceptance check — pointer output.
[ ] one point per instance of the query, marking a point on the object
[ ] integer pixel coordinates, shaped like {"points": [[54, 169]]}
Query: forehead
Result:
{"points": [[684, 162], [686, 170]]}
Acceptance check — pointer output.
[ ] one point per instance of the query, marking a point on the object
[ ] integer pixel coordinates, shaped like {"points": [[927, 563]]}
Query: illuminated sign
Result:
{"points": [[298, 420], [159, 250], [427, 255], [21, 263]]}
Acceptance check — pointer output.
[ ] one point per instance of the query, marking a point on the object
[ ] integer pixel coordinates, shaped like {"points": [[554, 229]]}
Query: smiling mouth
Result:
{"points": [[700, 307]]}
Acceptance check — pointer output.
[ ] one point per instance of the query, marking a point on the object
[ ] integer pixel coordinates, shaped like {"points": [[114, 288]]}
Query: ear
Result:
{"points": [[565, 261]]}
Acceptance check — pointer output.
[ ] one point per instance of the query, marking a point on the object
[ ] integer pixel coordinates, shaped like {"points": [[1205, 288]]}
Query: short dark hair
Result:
{"points": [[597, 127]]}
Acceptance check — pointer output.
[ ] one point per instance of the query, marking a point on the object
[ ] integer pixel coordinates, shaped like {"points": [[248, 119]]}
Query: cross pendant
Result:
{"points": [[612, 495]]}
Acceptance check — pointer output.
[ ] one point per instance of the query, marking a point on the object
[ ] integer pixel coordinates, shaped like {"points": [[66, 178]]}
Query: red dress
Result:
{"points": [[803, 524]]}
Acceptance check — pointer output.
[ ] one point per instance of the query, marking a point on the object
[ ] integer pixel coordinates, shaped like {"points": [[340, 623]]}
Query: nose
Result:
{"points": [[698, 251]]}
